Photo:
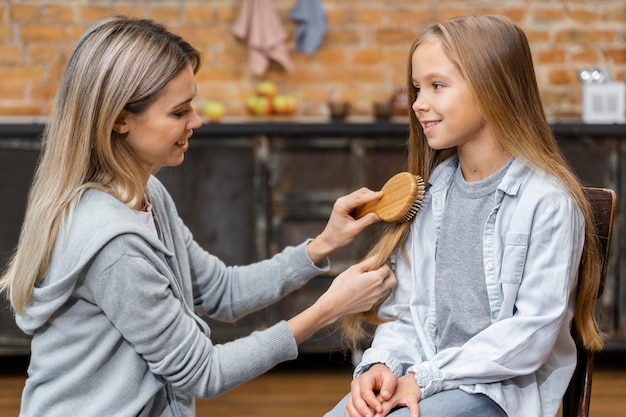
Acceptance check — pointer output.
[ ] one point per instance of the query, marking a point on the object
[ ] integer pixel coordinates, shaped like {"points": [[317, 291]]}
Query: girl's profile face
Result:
{"points": [[444, 104], [160, 135]]}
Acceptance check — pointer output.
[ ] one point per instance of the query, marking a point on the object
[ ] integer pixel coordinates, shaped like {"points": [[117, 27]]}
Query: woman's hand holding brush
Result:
{"points": [[342, 228]]}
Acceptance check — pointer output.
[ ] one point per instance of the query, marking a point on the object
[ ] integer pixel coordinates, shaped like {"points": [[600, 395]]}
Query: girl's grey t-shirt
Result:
{"points": [[461, 303]]}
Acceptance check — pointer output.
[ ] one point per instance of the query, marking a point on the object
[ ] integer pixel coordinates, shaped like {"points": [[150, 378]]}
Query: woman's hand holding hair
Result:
{"points": [[355, 290], [341, 228], [358, 288]]}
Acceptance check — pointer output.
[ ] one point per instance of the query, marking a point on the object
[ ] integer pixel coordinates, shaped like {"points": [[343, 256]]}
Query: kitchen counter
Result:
{"points": [[31, 127]]}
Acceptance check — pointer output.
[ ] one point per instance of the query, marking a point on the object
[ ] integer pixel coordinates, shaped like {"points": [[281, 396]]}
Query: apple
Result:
{"points": [[266, 89], [214, 111], [283, 104], [259, 105]]}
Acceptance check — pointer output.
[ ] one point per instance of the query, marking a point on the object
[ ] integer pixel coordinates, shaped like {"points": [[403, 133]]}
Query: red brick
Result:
{"points": [[44, 92], [616, 55], [91, 13], [587, 56], [367, 16], [128, 10], [516, 14], [50, 33], [480, 8], [447, 12], [231, 53], [336, 16], [22, 73], [331, 55], [45, 52], [392, 35], [344, 37], [412, 17], [583, 15], [307, 75], [6, 33], [21, 108], [552, 55], [24, 12], [562, 76], [59, 13], [370, 56], [12, 91], [214, 75], [11, 54], [547, 14], [537, 36], [615, 13], [226, 13], [584, 35], [200, 36], [198, 14], [165, 14]]}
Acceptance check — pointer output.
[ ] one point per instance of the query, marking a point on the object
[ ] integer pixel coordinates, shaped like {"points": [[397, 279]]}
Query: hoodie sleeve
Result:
{"points": [[143, 305], [229, 292]]}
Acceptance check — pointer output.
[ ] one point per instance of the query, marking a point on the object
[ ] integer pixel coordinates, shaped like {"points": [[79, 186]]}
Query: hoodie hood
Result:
{"points": [[97, 219]]}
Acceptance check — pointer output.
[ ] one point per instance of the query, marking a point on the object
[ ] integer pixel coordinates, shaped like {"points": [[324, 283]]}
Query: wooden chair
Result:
{"points": [[578, 395]]}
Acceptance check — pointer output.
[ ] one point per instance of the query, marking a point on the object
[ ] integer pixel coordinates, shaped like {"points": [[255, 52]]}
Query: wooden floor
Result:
{"points": [[313, 384]]}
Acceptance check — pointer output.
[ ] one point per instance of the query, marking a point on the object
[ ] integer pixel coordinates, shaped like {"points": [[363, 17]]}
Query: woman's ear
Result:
{"points": [[122, 123]]}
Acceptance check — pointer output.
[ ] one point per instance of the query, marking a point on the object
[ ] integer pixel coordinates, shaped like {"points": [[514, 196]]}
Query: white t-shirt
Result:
{"points": [[147, 218]]}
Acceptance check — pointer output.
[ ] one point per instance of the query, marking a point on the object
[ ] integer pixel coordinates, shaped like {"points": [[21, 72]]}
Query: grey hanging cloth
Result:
{"points": [[311, 19]]}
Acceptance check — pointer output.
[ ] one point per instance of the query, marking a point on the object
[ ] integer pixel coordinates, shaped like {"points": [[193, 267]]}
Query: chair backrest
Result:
{"points": [[578, 395]]}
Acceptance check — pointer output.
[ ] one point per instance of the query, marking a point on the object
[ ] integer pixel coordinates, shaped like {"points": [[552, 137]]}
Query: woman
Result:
{"points": [[479, 323], [107, 278]]}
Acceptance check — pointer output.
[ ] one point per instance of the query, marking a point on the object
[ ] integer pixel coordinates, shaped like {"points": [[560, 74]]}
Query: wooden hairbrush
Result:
{"points": [[401, 200]]}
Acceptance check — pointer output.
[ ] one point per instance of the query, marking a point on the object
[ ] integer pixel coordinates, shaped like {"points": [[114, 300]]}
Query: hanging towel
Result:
{"points": [[259, 26], [311, 27]]}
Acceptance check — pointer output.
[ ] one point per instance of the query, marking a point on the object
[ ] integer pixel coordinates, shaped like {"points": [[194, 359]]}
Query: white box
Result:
{"points": [[604, 102]]}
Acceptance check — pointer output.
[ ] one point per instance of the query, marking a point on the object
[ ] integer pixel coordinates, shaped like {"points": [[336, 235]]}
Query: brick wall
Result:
{"points": [[362, 60]]}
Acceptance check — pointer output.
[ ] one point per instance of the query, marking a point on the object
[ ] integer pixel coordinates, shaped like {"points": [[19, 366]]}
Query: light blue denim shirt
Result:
{"points": [[532, 244]]}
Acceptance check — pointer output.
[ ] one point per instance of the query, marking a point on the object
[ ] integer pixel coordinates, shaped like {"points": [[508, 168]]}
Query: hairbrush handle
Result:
{"points": [[402, 197]]}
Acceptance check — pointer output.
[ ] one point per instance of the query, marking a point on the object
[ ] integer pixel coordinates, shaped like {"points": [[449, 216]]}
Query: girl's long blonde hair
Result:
{"points": [[118, 64], [493, 55]]}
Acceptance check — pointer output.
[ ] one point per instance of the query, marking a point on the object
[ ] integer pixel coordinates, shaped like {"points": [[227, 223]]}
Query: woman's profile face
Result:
{"points": [[160, 135]]}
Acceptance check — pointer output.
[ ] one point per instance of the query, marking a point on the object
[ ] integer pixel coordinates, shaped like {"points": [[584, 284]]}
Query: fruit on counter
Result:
{"points": [[213, 111], [266, 101], [259, 105], [266, 88], [283, 104]]}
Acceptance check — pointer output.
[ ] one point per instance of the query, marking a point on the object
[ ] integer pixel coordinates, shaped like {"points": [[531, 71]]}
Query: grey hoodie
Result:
{"points": [[115, 325]]}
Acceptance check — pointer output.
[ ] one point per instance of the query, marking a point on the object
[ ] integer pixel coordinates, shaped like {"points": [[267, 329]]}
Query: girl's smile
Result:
{"points": [[444, 102]]}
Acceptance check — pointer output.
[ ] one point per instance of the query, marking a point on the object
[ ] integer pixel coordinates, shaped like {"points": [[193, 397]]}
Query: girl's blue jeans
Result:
{"points": [[451, 403]]}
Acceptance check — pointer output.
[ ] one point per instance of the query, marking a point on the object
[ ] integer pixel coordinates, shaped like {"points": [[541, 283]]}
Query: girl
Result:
{"points": [[106, 276], [479, 323]]}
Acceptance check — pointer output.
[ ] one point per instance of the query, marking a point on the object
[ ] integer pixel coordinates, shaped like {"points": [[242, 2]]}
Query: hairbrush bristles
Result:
{"points": [[401, 200]]}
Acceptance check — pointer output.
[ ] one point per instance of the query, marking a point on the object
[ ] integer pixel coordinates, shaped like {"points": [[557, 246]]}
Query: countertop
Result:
{"points": [[12, 128]]}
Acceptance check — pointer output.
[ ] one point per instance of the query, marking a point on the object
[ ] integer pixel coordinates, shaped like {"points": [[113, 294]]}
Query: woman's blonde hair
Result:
{"points": [[118, 64], [493, 55]]}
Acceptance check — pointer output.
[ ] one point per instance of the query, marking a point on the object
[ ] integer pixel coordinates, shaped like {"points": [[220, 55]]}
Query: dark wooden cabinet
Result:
{"points": [[248, 189]]}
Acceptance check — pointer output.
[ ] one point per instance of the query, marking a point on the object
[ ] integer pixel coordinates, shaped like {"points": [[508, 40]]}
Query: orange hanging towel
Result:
{"points": [[260, 27]]}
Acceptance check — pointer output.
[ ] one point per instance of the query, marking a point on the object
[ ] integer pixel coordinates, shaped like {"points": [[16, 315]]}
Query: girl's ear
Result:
{"points": [[122, 123]]}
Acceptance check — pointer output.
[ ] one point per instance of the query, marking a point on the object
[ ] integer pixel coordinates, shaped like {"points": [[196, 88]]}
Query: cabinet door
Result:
{"points": [[597, 162], [307, 175], [17, 166], [217, 196]]}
